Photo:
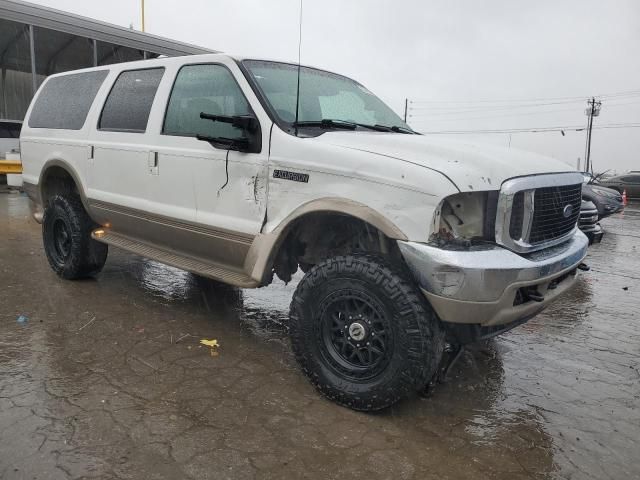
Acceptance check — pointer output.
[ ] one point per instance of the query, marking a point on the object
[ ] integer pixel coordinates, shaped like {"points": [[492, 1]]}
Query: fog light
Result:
{"points": [[447, 280], [99, 233]]}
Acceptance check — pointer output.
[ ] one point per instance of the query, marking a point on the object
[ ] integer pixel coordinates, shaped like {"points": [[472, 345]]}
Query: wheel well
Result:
{"points": [[318, 236], [56, 181]]}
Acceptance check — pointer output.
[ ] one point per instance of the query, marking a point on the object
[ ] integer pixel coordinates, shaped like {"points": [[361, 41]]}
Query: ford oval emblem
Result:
{"points": [[568, 210]]}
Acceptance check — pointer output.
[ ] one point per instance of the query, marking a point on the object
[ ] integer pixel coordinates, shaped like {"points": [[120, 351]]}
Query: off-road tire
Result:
{"points": [[66, 234], [417, 336]]}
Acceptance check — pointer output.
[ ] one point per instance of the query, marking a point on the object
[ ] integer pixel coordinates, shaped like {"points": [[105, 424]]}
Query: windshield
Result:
{"points": [[323, 96]]}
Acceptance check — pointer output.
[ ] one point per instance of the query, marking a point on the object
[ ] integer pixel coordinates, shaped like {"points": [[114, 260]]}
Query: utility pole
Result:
{"points": [[142, 5], [406, 107], [592, 110]]}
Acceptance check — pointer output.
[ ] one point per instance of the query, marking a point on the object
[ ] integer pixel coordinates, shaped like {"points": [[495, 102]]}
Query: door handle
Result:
{"points": [[153, 163]]}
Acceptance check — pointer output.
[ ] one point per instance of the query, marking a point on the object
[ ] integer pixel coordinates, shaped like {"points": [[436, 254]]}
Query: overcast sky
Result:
{"points": [[479, 61]]}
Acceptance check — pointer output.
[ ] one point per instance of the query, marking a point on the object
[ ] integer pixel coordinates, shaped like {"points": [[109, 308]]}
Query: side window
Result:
{"points": [[129, 103], [204, 88], [64, 102]]}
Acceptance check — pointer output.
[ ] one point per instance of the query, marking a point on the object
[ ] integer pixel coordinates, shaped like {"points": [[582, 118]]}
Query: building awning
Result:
{"points": [[30, 14]]}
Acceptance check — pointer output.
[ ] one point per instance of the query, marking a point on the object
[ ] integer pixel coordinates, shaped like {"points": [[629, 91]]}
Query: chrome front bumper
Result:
{"points": [[480, 285]]}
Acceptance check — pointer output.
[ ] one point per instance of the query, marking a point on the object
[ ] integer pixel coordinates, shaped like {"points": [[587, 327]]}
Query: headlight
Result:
{"points": [[465, 217]]}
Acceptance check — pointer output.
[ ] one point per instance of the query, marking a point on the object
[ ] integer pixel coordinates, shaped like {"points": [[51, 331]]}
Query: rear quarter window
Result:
{"points": [[64, 102], [129, 103]]}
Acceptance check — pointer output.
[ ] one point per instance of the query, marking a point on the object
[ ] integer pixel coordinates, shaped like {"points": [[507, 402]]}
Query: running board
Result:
{"points": [[190, 264]]}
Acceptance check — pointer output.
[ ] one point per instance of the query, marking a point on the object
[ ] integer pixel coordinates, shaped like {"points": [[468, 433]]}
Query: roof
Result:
{"points": [[28, 13]]}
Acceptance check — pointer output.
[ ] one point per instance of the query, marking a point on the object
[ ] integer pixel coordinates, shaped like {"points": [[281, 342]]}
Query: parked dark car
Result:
{"points": [[629, 182], [607, 200], [588, 222]]}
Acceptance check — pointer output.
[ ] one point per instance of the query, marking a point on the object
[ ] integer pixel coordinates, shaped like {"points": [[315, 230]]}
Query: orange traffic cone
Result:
{"points": [[624, 197]]}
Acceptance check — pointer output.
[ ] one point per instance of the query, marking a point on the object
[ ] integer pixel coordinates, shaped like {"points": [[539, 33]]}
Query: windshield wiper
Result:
{"points": [[345, 124], [596, 178], [326, 123], [397, 129]]}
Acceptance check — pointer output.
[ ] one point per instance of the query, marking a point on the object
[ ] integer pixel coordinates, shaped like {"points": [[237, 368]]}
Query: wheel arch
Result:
{"points": [[266, 246], [58, 176]]}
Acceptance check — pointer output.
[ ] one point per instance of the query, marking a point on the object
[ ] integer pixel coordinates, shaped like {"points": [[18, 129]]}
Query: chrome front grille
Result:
{"points": [[538, 211], [555, 212], [517, 216]]}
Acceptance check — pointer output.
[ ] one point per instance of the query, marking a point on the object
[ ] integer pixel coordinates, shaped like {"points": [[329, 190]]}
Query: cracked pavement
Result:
{"points": [[107, 379]]}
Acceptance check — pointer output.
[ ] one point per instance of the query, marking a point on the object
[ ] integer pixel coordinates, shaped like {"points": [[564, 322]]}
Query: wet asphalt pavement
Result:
{"points": [[106, 379]]}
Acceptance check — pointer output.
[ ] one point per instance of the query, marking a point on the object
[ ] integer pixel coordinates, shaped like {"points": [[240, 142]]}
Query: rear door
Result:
{"points": [[120, 149]]}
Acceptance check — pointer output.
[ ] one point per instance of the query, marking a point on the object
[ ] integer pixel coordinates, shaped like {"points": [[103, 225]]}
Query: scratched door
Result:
{"points": [[228, 188]]}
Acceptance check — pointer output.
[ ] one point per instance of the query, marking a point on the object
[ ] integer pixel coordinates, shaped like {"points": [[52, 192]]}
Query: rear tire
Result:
{"points": [[362, 333], [66, 234]]}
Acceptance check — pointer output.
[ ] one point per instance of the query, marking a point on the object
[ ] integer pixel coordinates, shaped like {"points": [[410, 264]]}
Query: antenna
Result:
{"points": [[298, 85]]}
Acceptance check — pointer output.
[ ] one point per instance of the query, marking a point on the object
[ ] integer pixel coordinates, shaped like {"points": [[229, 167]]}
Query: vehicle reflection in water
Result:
{"points": [[263, 311], [477, 405], [570, 312]]}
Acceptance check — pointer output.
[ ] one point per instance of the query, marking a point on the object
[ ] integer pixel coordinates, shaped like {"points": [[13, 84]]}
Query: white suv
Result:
{"points": [[237, 169]]}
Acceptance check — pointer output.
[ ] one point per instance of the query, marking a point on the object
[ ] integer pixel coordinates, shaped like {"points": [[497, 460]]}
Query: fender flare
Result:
{"points": [[266, 245], [72, 173]]}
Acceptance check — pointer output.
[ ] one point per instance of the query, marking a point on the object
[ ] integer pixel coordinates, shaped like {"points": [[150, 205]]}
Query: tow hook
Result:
{"points": [[535, 296], [531, 293], [584, 267]]}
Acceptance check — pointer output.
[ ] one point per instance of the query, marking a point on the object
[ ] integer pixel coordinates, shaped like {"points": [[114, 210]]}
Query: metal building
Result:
{"points": [[37, 41]]}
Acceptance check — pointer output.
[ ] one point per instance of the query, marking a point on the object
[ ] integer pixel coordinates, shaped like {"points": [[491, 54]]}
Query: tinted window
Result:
{"points": [[129, 103], [204, 88], [64, 102], [10, 130]]}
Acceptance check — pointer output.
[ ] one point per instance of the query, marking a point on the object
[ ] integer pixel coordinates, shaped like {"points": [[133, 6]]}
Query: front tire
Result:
{"points": [[362, 333], [66, 234]]}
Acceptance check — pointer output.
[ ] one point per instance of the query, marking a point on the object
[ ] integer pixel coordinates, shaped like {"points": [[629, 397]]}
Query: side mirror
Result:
{"points": [[250, 142]]}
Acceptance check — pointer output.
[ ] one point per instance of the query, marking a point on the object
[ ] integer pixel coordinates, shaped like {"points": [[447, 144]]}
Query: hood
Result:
{"points": [[468, 166]]}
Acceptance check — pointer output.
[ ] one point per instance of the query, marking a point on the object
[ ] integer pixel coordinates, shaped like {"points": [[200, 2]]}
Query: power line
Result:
{"points": [[493, 108], [425, 117], [439, 111], [527, 100], [421, 117]]}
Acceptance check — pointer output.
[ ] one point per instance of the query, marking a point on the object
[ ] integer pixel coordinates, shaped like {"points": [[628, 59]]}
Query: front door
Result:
{"points": [[228, 188]]}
